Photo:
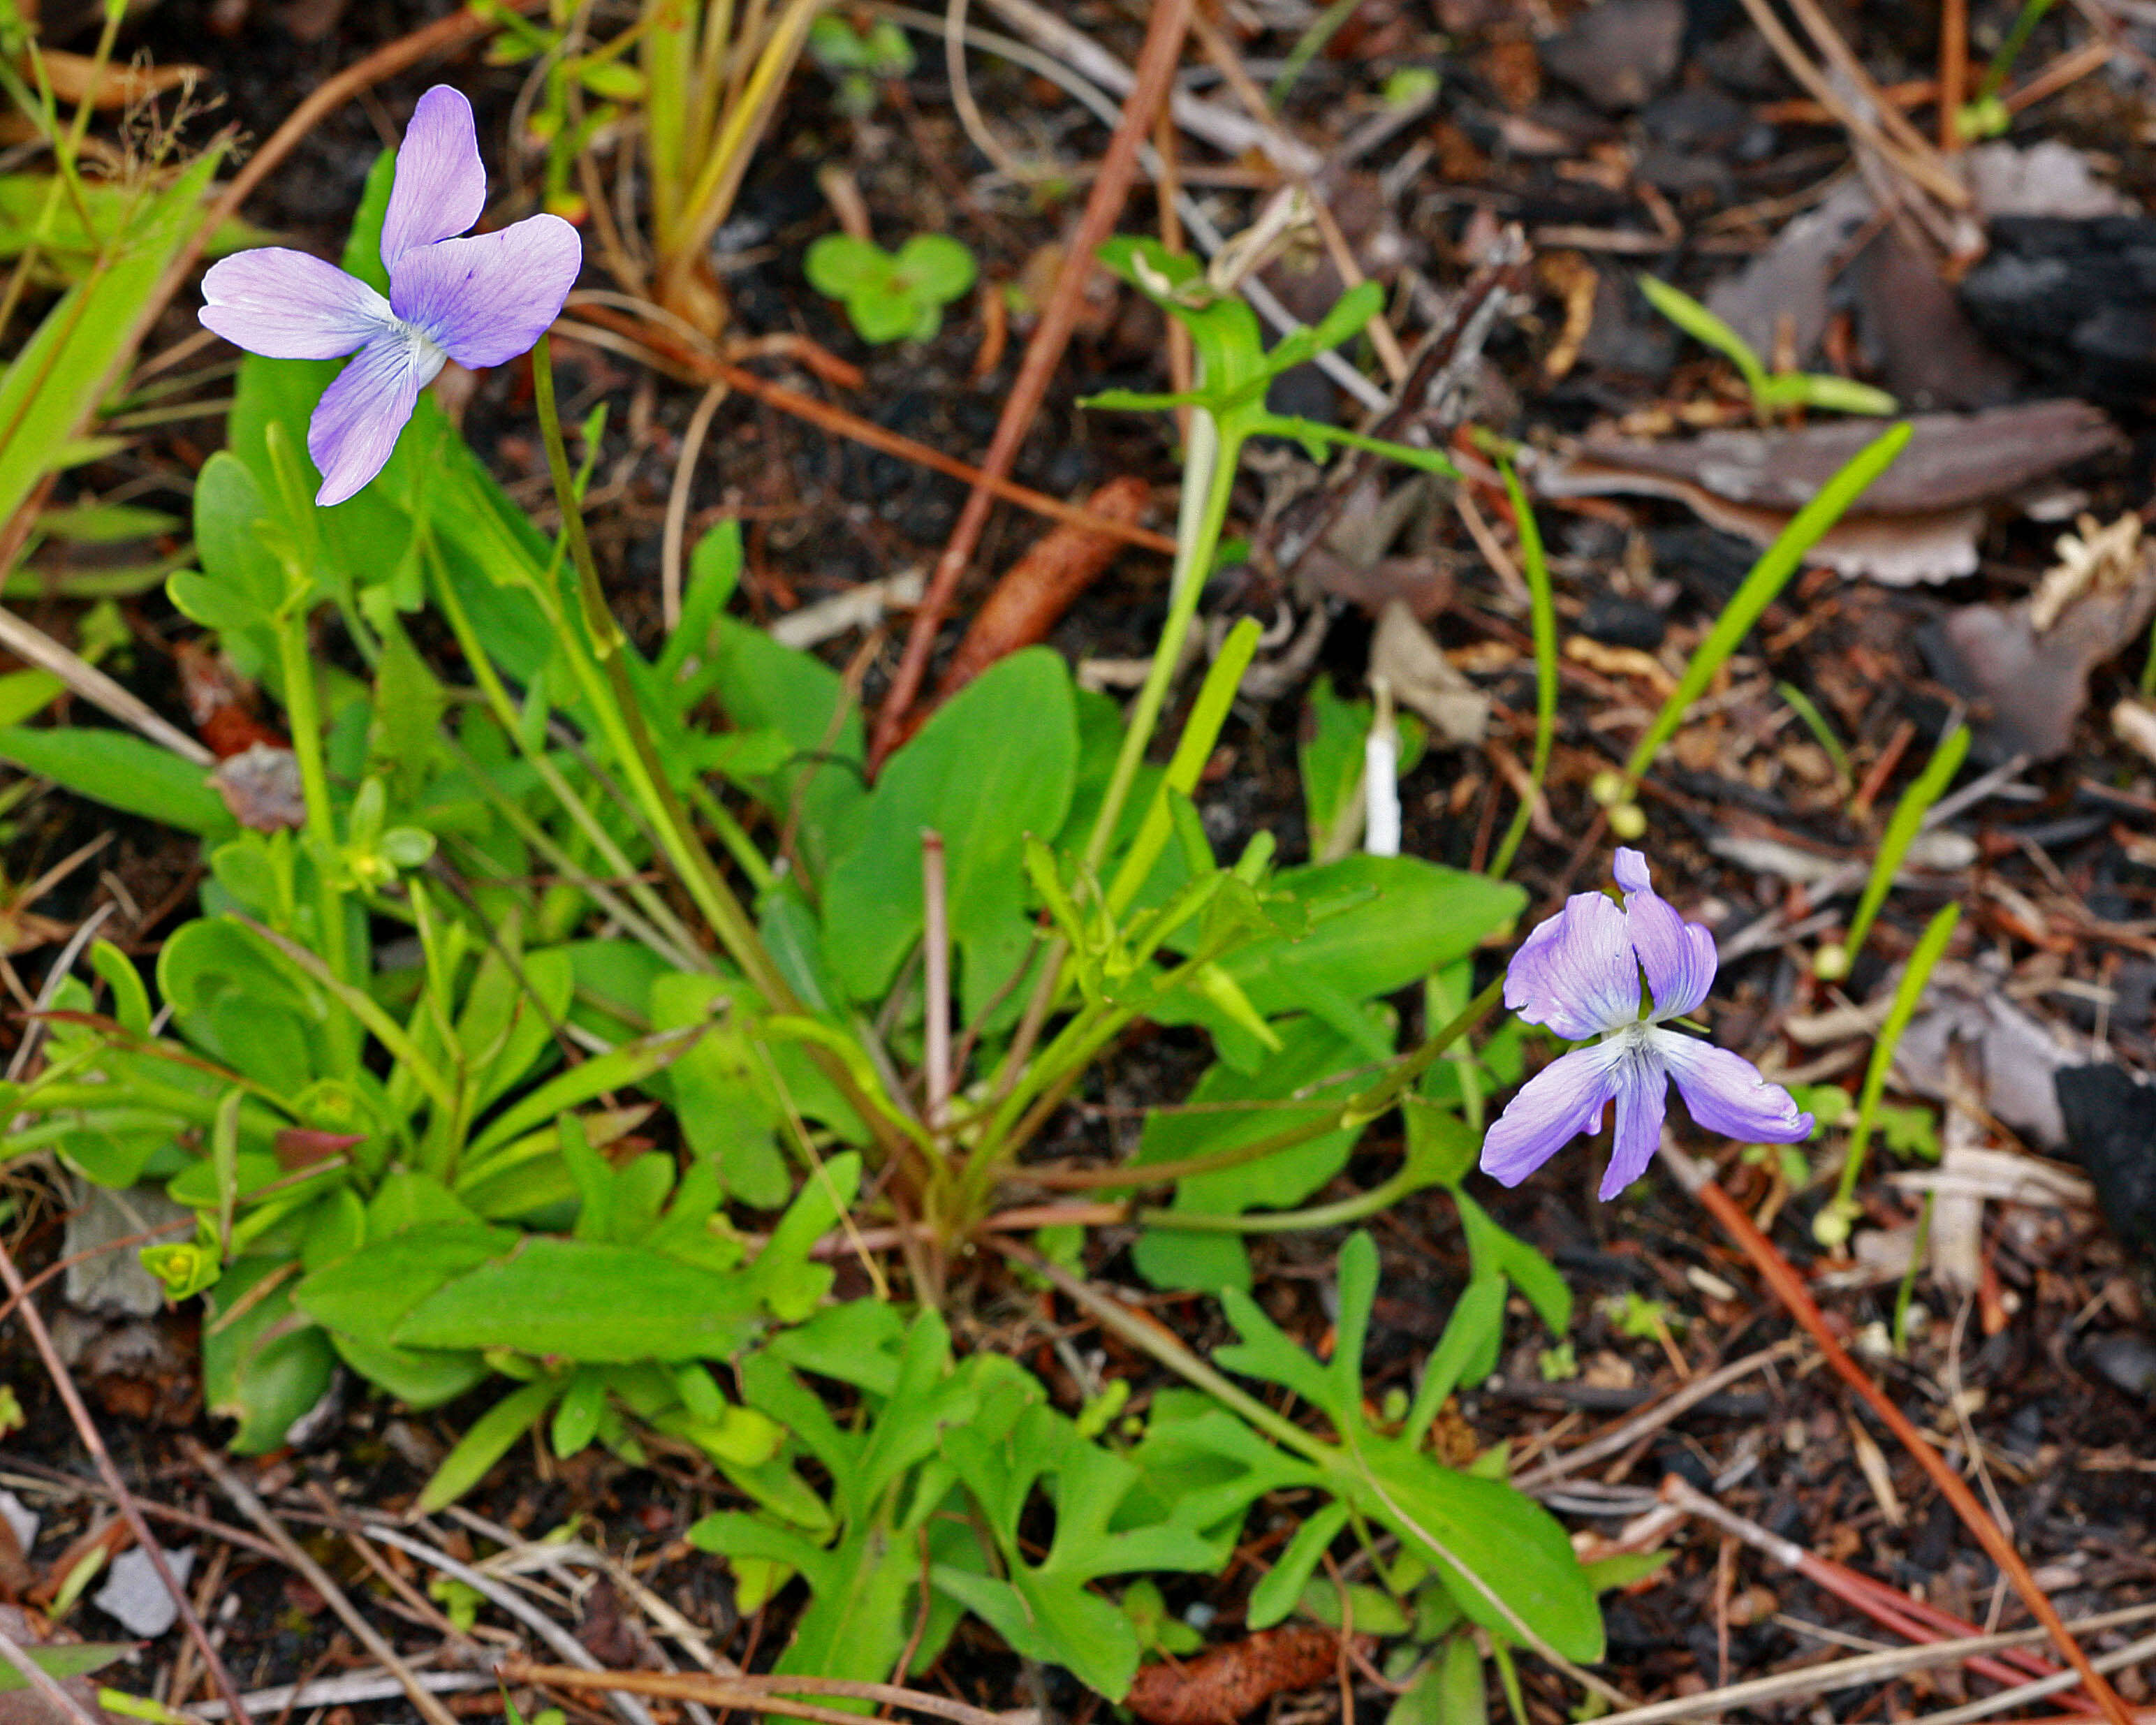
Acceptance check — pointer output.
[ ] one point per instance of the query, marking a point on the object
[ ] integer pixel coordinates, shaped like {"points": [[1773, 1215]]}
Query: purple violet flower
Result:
{"points": [[1578, 973], [479, 301]]}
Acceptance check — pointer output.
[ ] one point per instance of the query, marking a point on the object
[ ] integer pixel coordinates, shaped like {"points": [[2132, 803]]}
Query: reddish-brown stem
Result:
{"points": [[665, 348], [1165, 30], [1789, 1289]]}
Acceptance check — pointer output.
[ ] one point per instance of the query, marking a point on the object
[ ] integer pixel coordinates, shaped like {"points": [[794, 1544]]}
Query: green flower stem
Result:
{"points": [[1209, 485], [303, 711], [613, 699], [1358, 1111], [1150, 1338], [598, 662], [1409, 1180], [739, 846], [655, 908]]}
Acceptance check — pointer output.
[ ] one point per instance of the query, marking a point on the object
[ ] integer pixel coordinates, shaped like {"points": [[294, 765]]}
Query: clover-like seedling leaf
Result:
{"points": [[892, 297]]}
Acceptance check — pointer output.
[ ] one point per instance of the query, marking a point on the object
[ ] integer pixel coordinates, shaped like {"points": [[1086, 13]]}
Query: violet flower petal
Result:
{"points": [[1725, 1092], [440, 185], [1553, 1108], [356, 422], [487, 298], [1576, 972], [1678, 956], [1642, 1097], [286, 304]]}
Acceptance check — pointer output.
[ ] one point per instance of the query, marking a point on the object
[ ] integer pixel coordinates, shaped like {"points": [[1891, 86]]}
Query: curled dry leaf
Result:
{"points": [[74, 76], [1423, 681], [1920, 519], [1036, 590], [1223, 1684], [221, 702], [2027, 684]]}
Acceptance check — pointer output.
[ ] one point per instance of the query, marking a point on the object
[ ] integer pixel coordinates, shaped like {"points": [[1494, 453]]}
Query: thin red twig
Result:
{"points": [[1165, 30], [1789, 1289]]}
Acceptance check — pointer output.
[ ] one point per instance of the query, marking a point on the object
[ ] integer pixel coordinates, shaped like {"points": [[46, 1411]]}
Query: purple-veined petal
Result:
{"points": [[286, 304], [440, 185], [487, 298], [1677, 956], [1642, 1095], [1553, 1108], [1576, 973], [356, 421], [1724, 1092]]}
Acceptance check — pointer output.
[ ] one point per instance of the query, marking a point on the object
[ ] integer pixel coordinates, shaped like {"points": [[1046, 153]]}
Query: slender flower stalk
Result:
{"points": [[481, 299], [1579, 973]]}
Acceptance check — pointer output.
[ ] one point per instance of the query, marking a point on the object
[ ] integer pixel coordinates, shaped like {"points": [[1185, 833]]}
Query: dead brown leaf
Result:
{"points": [[1223, 1684], [1919, 521]]}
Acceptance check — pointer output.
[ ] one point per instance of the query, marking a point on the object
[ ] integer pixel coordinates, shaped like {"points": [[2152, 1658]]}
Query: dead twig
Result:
{"points": [[657, 346], [1864, 1669], [763, 1694], [41, 1338], [319, 1578], [632, 1711], [1789, 1289], [1156, 68], [1621, 1437]]}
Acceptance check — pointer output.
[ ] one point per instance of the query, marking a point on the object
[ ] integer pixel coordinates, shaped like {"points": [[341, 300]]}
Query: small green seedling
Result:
{"points": [[892, 297], [1770, 390], [858, 60]]}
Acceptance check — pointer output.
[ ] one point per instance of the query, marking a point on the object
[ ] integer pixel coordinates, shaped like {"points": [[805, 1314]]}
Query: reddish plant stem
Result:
{"points": [[1789, 1289], [661, 346], [1165, 30], [86, 1428]]}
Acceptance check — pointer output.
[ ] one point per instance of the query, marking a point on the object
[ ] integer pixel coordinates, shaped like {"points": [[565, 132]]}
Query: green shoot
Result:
{"points": [[1831, 1226], [1815, 721], [891, 296], [1543, 613], [1768, 578], [1769, 390], [1832, 963], [1985, 115]]}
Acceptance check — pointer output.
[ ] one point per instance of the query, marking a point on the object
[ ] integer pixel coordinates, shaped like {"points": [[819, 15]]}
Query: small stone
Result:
{"points": [[134, 1596]]}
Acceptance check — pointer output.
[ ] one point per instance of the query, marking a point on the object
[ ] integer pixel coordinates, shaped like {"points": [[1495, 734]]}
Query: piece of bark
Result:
{"points": [[1919, 521], [1036, 590], [1223, 1684]]}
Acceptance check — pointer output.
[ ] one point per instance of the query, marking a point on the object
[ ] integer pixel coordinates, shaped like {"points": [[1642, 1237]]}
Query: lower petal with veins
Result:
{"points": [[1558, 1103], [1725, 1093], [356, 424]]}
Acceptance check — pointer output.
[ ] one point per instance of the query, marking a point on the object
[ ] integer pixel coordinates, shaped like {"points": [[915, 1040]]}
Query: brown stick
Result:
{"points": [[1789, 1289], [707, 368], [430, 1707], [1044, 583], [1156, 67], [760, 1692], [1954, 70], [41, 1338]]}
